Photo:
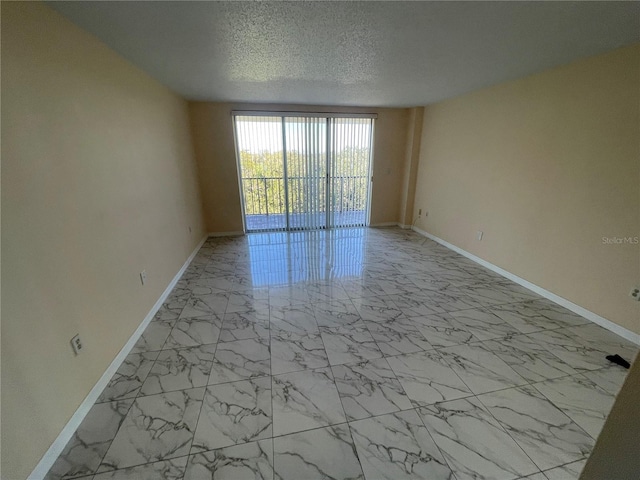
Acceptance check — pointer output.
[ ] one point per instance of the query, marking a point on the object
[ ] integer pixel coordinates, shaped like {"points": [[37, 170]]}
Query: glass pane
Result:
{"points": [[259, 143], [306, 145], [350, 171]]}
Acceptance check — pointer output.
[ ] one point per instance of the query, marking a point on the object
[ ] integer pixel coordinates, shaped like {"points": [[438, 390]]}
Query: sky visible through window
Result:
{"points": [[260, 134]]}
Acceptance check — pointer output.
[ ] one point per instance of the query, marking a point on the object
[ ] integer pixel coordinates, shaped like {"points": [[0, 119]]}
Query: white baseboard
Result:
{"points": [[54, 451], [384, 224], [226, 234], [583, 312]]}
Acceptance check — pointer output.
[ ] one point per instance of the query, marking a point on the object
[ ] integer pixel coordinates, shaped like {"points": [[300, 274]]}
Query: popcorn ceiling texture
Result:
{"points": [[351, 53]]}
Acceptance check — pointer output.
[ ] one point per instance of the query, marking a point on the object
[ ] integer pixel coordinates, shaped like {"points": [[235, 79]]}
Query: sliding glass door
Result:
{"points": [[349, 171], [304, 172], [260, 152], [306, 161]]}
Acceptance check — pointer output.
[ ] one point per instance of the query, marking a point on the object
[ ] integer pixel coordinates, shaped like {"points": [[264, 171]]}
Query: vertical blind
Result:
{"points": [[349, 172], [306, 163], [304, 172]]}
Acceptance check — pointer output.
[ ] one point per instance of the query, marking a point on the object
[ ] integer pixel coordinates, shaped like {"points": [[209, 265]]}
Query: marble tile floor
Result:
{"points": [[350, 354]]}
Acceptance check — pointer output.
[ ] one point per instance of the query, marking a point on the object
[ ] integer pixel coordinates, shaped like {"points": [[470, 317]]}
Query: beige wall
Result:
{"points": [[98, 183], [212, 131], [545, 166], [406, 216]]}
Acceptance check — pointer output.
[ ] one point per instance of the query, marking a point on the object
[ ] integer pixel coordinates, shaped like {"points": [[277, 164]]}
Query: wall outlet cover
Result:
{"points": [[76, 344]]}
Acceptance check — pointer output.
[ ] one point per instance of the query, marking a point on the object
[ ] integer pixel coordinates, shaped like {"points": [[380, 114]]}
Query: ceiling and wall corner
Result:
{"points": [[547, 167], [371, 54], [383, 54]]}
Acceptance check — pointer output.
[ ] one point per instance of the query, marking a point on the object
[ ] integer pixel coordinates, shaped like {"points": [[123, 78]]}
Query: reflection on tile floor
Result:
{"points": [[354, 353]]}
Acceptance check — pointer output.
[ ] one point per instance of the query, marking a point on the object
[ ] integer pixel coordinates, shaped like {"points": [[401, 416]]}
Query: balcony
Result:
{"points": [[265, 206], [278, 221]]}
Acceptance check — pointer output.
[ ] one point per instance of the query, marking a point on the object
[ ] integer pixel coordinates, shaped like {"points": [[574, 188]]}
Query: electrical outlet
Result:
{"points": [[143, 276], [76, 344], [426, 213], [420, 212], [635, 294], [479, 235], [189, 229]]}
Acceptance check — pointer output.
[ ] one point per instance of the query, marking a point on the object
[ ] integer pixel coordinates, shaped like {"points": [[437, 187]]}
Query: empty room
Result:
{"points": [[320, 240]]}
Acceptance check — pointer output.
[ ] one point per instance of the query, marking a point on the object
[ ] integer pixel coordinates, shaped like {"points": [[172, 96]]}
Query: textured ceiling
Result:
{"points": [[351, 53]]}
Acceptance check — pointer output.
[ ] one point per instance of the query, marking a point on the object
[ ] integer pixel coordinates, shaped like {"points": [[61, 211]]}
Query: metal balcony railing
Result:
{"points": [[266, 195]]}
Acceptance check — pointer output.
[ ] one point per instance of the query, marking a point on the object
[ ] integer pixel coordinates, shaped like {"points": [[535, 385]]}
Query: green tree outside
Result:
{"points": [[263, 181]]}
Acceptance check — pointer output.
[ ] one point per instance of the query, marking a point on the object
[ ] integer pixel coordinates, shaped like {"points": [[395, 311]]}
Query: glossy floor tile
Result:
{"points": [[580, 399], [546, 434], [179, 369], [570, 471], [480, 369], [326, 452], [172, 469], [128, 380], [369, 388], [234, 413], [398, 446], [90, 442], [305, 400], [192, 332], [427, 378], [350, 354], [528, 358], [157, 427], [291, 352], [252, 460], [473, 442]]}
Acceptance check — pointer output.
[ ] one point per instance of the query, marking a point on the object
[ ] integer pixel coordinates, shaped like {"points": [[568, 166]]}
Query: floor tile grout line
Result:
{"points": [[507, 431], [135, 466], [273, 447], [448, 364], [160, 351], [132, 403], [552, 403], [565, 464], [204, 394], [579, 373], [413, 407], [563, 410], [504, 429], [532, 384], [560, 347], [141, 382], [355, 450], [106, 451], [451, 467]]}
